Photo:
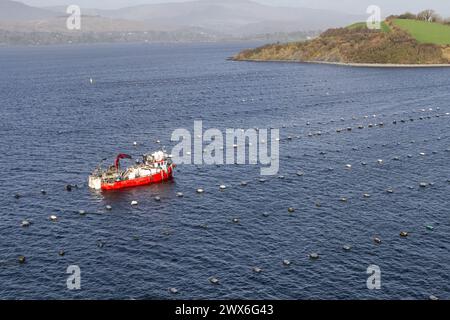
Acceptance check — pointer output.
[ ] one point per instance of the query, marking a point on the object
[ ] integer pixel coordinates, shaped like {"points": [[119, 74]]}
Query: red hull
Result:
{"points": [[156, 178]]}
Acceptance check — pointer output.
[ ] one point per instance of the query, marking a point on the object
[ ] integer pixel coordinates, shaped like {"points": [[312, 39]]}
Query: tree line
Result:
{"points": [[425, 15]]}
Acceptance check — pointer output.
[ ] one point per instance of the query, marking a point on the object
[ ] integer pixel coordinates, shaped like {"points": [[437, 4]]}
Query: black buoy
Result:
{"points": [[68, 187]]}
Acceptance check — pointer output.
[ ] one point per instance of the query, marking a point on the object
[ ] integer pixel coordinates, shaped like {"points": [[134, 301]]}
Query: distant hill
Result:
{"points": [[17, 11], [398, 42], [231, 16], [210, 20]]}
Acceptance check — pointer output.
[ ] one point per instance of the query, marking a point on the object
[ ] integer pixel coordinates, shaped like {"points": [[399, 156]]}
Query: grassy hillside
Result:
{"points": [[425, 32]]}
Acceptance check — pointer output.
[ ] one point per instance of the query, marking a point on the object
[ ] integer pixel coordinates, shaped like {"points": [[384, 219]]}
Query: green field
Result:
{"points": [[384, 26], [426, 32]]}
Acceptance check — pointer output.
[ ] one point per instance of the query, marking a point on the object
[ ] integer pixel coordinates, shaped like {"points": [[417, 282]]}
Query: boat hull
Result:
{"points": [[142, 181]]}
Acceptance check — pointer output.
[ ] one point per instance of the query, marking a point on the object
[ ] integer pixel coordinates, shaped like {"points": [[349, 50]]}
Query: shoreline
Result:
{"points": [[356, 65]]}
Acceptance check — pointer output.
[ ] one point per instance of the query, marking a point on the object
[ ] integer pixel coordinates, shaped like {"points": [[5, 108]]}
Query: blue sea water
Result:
{"points": [[55, 127]]}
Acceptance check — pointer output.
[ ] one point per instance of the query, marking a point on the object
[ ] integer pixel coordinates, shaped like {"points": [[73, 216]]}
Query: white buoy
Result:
{"points": [[214, 280], [53, 218], [180, 194], [134, 203], [222, 187], [91, 81], [173, 290], [25, 223], [286, 262], [200, 190], [108, 207], [314, 256], [257, 270], [348, 166]]}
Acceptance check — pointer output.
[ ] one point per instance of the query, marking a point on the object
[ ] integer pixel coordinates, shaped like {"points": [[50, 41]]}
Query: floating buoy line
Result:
{"points": [[299, 173]]}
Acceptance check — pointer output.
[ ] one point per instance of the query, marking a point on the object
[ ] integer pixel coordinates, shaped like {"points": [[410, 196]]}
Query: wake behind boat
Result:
{"points": [[154, 168]]}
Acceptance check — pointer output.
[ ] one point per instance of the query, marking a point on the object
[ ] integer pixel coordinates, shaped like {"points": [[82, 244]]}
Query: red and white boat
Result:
{"points": [[154, 168]]}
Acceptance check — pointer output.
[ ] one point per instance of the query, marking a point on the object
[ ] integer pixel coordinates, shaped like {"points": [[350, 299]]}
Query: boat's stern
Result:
{"points": [[95, 182]]}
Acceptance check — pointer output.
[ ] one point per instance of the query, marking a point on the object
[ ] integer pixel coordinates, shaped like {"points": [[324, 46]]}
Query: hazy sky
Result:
{"points": [[350, 6]]}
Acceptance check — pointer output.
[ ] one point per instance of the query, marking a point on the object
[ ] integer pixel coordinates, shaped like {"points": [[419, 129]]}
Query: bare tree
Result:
{"points": [[427, 15]]}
